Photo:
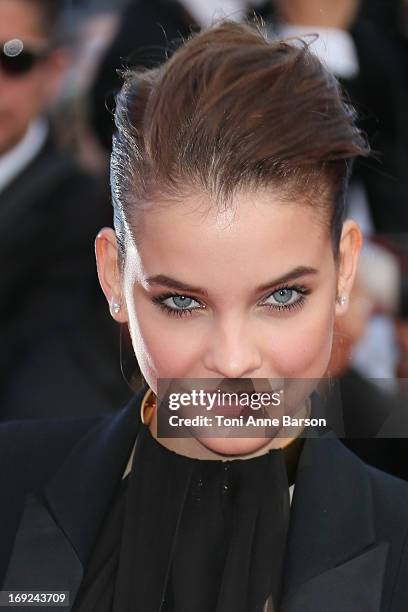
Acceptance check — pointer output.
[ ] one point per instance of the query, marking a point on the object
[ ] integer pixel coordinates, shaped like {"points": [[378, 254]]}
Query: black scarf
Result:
{"points": [[187, 535]]}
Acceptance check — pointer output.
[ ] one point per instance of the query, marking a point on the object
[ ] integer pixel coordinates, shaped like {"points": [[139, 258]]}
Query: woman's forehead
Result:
{"points": [[259, 231], [262, 211]]}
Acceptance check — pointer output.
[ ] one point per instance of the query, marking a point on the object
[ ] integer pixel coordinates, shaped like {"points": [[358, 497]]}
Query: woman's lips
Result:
{"points": [[234, 410]]}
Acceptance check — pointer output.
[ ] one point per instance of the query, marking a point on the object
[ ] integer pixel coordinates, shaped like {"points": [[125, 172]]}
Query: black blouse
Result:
{"points": [[191, 535]]}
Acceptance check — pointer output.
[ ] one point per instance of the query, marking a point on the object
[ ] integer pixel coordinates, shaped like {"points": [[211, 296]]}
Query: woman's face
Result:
{"points": [[250, 294]]}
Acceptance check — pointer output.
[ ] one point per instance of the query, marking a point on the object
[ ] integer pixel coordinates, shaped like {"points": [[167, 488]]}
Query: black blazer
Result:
{"points": [[373, 422], [347, 547]]}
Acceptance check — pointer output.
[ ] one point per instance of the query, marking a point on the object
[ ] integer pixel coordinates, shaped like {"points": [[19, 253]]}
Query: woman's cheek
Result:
{"points": [[166, 348], [302, 350]]}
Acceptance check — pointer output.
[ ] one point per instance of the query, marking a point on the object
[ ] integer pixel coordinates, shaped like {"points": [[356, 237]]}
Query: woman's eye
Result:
{"points": [[283, 296], [286, 298], [177, 305], [180, 301]]}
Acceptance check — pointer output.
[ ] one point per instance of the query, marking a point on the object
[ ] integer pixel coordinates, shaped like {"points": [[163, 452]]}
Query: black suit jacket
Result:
{"points": [[347, 547], [373, 422], [56, 335]]}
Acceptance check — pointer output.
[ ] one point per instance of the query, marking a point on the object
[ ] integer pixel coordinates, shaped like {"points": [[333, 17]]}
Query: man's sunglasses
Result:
{"points": [[16, 59]]}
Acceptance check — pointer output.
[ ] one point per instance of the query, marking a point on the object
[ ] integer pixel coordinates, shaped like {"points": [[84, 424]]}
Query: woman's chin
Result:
{"points": [[234, 446]]}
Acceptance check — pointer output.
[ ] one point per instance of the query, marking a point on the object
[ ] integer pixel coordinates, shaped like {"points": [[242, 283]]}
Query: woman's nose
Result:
{"points": [[232, 351]]}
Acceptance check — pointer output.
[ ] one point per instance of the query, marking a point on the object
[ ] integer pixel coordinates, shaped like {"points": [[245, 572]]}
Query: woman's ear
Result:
{"points": [[109, 272], [349, 251]]}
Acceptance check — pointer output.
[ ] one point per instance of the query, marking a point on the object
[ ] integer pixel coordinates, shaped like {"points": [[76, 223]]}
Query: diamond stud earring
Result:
{"points": [[116, 307], [342, 299]]}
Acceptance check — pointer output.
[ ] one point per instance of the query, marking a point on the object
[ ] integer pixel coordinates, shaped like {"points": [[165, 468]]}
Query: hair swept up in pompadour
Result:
{"points": [[228, 111]]}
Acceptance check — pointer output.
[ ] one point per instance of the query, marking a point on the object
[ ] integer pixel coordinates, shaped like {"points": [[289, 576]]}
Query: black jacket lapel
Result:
{"points": [[43, 559], [333, 560], [59, 527], [354, 585], [17, 198]]}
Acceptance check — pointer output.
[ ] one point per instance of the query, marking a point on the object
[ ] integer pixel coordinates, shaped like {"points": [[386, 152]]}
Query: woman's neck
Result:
{"points": [[191, 447]]}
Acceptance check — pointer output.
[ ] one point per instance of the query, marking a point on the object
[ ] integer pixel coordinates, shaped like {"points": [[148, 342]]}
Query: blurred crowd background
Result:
{"points": [[61, 353]]}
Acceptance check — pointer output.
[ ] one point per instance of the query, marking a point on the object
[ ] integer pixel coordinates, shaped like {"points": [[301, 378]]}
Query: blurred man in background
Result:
{"points": [[370, 65], [58, 346]]}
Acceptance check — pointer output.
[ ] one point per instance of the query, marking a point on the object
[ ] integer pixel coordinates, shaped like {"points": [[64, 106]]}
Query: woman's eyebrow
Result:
{"points": [[172, 283], [289, 276]]}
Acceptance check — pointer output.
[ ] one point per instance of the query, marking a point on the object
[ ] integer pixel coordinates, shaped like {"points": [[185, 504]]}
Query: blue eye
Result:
{"points": [[181, 301], [283, 296], [287, 298], [177, 305]]}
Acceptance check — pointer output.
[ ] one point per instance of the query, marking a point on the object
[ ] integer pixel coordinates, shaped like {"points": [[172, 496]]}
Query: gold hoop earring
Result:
{"points": [[147, 407]]}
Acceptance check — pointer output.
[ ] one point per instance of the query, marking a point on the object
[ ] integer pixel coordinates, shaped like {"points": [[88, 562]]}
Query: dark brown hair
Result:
{"points": [[232, 111]]}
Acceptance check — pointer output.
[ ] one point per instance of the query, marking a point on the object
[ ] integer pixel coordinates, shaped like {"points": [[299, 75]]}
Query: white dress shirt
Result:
{"points": [[211, 11], [334, 47], [14, 161]]}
